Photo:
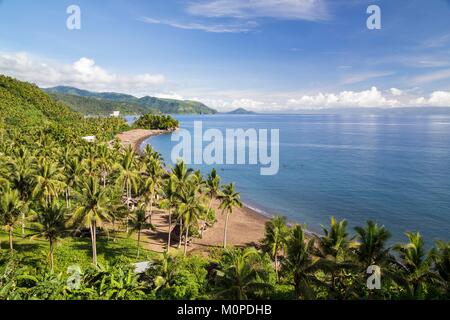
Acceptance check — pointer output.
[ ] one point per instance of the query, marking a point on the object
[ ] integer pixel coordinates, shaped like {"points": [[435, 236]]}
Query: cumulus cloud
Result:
{"points": [[312, 10], [436, 99], [83, 73], [344, 99]]}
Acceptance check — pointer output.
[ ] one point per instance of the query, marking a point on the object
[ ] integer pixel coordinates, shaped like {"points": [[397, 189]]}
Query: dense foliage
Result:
{"points": [[125, 103], [156, 122], [97, 107]]}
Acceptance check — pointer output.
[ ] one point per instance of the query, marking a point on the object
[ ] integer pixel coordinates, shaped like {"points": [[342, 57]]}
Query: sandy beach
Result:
{"points": [[245, 226], [136, 137]]}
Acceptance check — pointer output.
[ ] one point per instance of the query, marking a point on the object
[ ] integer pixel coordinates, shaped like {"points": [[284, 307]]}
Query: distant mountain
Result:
{"points": [[94, 103], [241, 111]]}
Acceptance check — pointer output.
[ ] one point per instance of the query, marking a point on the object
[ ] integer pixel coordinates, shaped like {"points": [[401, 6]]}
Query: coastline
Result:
{"points": [[246, 224]]}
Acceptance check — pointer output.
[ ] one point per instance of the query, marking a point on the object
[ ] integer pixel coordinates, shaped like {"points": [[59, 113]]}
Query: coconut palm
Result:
{"points": [[414, 264], [191, 209], [139, 222], [128, 176], [104, 162], [72, 171], [275, 239], [151, 183], [300, 263], [213, 186], [10, 212], [238, 275], [229, 199], [371, 248], [92, 211], [170, 201], [441, 259], [20, 174], [49, 181], [50, 223]]}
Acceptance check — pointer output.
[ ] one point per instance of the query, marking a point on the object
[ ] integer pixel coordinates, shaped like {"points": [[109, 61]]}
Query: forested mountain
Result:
{"points": [[26, 108], [111, 101]]}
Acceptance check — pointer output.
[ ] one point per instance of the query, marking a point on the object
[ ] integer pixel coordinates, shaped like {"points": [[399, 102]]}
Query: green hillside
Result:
{"points": [[96, 106], [25, 105], [26, 108], [111, 101]]}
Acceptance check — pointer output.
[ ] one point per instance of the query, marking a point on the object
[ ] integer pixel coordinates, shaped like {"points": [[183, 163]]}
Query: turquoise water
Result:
{"points": [[394, 170]]}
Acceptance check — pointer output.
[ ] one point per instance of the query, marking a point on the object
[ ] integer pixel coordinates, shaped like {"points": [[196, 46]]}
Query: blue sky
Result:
{"points": [[265, 55]]}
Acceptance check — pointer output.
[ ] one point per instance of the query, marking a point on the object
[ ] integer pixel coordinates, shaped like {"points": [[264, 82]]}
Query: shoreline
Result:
{"points": [[136, 137]]}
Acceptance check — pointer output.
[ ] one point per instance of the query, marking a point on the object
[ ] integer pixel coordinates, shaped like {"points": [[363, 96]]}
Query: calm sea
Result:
{"points": [[391, 169]]}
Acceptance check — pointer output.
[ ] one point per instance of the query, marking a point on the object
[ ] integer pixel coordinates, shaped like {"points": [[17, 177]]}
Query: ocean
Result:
{"points": [[394, 170]]}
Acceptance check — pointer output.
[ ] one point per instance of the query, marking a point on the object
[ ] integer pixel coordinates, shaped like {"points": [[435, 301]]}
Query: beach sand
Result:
{"points": [[136, 137], [245, 226]]}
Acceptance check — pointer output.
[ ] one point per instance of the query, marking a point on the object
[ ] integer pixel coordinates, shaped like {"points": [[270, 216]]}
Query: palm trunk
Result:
{"points": [[180, 233], [170, 231], [276, 267], [186, 241], [94, 242], [151, 206], [51, 256], [138, 243], [225, 231], [23, 224], [11, 246]]}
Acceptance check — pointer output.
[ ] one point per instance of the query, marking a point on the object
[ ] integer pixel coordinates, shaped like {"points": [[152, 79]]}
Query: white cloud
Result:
{"points": [[436, 99], [396, 92], [213, 28], [344, 99], [312, 10], [83, 73]]}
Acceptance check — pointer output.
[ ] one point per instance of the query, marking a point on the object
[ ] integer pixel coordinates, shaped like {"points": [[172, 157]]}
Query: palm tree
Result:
{"points": [[337, 260], [414, 265], [49, 181], [371, 248], [128, 176], [139, 222], [21, 174], [10, 212], [104, 162], [275, 239], [229, 199], [51, 224], [170, 202], [190, 209], [92, 210], [301, 263], [213, 186], [72, 171], [238, 274], [442, 265], [152, 183]]}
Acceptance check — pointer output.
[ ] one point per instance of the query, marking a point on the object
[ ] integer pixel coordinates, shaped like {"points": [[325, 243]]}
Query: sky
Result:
{"points": [[263, 55]]}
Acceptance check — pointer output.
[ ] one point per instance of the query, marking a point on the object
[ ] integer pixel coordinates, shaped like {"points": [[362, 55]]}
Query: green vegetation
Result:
{"points": [[26, 109], [96, 103], [95, 106], [72, 215], [156, 122]]}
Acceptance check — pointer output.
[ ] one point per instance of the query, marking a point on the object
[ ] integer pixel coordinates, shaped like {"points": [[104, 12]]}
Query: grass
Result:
{"points": [[78, 251]]}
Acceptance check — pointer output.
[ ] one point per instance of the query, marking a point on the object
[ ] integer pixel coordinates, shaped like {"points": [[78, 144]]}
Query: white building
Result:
{"points": [[115, 114], [89, 138]]}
